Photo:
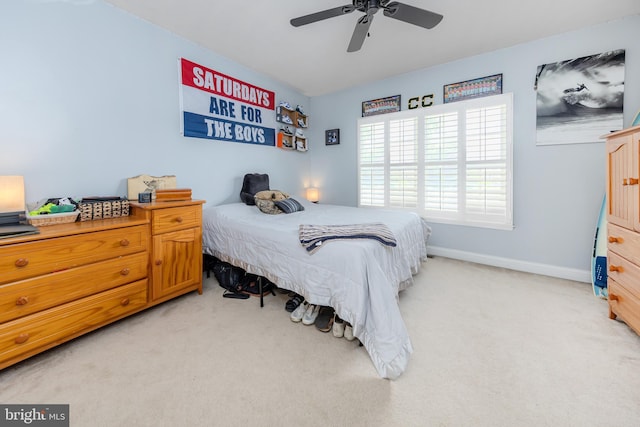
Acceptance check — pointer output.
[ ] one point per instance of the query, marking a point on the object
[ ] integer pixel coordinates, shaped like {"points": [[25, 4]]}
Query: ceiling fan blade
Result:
{"points": [[325, 14], [412, 15], [360, 33]]}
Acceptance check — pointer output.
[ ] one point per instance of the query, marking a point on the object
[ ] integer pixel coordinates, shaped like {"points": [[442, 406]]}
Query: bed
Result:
{"points": [[359, 278]]}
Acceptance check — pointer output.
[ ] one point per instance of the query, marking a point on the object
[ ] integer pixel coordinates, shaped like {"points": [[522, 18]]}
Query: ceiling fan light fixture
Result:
{"points": [[393, 9]]}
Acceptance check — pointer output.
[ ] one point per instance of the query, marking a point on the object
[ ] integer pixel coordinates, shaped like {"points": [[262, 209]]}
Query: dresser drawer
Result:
{"points": [[624, 272], [179, 218], [624, 304], [51, 327], [624, 242], [24, 260], [28, 296]]}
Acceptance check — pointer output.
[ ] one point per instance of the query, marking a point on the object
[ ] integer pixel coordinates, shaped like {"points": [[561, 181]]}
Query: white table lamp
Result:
{"points": [[312, 194], [12, 206]]}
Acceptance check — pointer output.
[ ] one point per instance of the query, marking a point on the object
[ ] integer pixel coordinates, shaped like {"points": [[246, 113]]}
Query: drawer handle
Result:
{"points": [[624, 181], [617, 268], [158, 262], [613, 297], [124, 302], [22, 262], [613, 239], [179, 219], [124, 242], [22, 338], [22, 300], [125, 271], [633, 181]]}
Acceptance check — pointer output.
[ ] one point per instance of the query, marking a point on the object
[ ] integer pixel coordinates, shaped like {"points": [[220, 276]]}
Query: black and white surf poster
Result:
{"points": [[579, 100]]}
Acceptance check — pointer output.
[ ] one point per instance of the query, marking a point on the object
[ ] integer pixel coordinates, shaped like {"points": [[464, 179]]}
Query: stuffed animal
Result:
{"points": [[265, 201], [273, 195]]}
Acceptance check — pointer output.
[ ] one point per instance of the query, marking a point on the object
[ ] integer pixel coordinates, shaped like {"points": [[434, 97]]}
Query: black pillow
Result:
{"points": [[253, 183], [289, 205]]}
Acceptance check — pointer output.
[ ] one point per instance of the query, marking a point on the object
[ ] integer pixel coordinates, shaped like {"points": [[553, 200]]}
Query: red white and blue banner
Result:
{"points": [[217, 106]]}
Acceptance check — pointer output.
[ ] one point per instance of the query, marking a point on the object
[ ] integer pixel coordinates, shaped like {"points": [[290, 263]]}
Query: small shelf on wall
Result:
{"points": [[294, 121], [291, 117], [285, 141], [301, 143], [291, 142]]}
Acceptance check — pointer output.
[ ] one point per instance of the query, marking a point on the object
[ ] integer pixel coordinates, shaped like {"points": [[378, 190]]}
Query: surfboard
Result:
{"points": [[599, 256]]}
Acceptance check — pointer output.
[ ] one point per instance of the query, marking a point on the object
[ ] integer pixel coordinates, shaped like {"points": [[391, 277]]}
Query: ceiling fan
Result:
{"points": [[400, 11]]}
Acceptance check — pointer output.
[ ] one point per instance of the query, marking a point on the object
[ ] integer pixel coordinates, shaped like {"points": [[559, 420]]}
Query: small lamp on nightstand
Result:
{"points": [[12, 207], [312, 194]]}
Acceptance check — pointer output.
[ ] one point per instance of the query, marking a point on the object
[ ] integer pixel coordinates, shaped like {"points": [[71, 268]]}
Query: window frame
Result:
{"points": [[461, 216]]}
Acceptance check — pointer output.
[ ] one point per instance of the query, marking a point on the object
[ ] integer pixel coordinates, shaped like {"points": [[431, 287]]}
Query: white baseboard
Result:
{"points": [[513, 264]]}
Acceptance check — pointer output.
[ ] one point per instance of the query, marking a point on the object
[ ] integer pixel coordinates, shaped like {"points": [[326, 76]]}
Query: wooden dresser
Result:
{"points": [[73, 278], [623, 225], [176, 248]]}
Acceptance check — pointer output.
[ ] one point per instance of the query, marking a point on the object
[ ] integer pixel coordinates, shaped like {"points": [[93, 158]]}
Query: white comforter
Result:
{"points": [[360, 278]]}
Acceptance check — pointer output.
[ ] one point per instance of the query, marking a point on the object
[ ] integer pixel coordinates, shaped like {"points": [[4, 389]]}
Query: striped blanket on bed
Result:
{"points": [[313, 236]]}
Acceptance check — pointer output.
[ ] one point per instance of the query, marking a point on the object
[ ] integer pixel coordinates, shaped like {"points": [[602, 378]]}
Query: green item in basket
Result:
{"points": [[44, 209], [62, 208], [52, 208]]}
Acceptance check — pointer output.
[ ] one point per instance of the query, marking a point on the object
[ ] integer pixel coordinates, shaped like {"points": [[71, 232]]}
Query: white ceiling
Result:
{"points": [[313, 58]]}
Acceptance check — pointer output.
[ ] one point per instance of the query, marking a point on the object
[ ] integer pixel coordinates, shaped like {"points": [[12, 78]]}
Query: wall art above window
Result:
{"points": [[475, 88], [390, 104]]}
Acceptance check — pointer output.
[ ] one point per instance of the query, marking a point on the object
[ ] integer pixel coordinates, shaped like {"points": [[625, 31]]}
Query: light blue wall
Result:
{"points": [[89, 97], [557, 189]]}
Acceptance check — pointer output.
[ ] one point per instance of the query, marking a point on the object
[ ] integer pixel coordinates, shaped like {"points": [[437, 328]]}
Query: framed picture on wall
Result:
{"points": [[332, 137], [390, 104], [580, 99], [475, 88], [636, 121]]}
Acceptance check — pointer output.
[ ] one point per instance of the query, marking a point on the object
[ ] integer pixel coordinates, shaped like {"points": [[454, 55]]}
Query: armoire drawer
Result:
{"points": [[24, 260], [624, 242], [624, 273], [624, 304], [28, 296], [56, 325], [178, 218]]}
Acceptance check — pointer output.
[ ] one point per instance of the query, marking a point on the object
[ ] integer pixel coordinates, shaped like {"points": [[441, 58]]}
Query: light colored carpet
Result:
{"points": [[492, 347]]}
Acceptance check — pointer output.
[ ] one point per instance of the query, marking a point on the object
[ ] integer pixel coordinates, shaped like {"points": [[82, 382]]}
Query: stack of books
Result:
{"points": [[173, 195], [16, 230]]}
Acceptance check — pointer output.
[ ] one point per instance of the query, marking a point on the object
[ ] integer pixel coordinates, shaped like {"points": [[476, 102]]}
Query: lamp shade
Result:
{"points": [[312, 194], [12, 194]]}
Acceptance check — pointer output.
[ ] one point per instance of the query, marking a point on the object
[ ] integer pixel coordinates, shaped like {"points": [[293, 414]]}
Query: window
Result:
{"points": [[450, 163]]}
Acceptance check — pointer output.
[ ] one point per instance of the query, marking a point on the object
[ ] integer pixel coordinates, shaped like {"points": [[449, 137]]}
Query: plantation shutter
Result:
{"points": [[486, 190], [403, 163], [372, 164], [441, 163]]}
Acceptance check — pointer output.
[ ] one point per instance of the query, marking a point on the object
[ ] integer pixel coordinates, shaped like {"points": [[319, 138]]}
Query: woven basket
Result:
{"points": [[102, 210], [52, 219]]}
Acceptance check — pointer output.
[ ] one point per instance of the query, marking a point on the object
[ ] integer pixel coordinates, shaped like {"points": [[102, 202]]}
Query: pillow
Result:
{"points": [[251, 184], [289, 205]]}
